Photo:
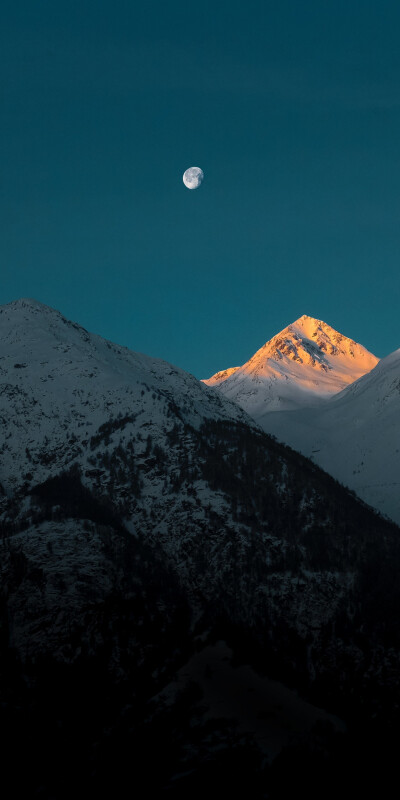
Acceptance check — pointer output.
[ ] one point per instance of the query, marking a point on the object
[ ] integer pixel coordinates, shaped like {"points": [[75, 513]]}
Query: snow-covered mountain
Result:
{"points": [[144, 517], [329, 398], [303, 364], [59, 384], [156, 450], [355, 436]]}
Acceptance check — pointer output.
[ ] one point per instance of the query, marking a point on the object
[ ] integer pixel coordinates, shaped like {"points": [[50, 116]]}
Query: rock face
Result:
{"points": [[143, 514], [306, 362]]}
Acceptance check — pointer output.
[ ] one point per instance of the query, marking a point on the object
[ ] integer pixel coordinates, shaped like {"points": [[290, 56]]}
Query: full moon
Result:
{"points": [[193, 177]]}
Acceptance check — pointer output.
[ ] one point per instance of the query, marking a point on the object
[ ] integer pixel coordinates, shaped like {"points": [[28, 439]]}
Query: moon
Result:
{"points": [[193, 177]]}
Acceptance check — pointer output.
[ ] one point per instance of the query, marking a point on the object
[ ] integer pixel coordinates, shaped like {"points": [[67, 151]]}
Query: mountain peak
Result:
{"points": [[311, 341], [306, 361], [30, 303], [307, 317]]}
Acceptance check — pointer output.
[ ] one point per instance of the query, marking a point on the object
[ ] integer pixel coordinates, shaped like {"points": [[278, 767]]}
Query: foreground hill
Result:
{"points": [[59, 384], [145, 519]]}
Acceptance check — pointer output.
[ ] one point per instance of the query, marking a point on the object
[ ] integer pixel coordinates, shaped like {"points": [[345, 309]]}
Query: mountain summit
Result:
{"points": [[304, 363]]}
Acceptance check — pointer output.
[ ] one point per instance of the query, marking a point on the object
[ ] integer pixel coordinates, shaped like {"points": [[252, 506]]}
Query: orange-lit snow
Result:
{"points": [[221, 376], [304, 363]]}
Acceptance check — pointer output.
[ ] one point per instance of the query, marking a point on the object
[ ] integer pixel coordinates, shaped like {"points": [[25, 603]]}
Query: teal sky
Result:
{"points": [[292, 109]]}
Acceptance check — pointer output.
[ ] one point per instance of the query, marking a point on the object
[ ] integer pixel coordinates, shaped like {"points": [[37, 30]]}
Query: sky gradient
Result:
{"points": [[292, 109]]}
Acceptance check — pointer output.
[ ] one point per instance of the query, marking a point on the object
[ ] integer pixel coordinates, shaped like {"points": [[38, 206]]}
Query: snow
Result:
{"points": [[59, 384], [329, 398], [354, 436], [69, 397], [305, 363]]}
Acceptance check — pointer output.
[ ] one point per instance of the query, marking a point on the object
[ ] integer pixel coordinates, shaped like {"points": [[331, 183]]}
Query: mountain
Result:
{"points": [[330, 399], [354, 436], [162, 555], [305, 363], [60, 384]]}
